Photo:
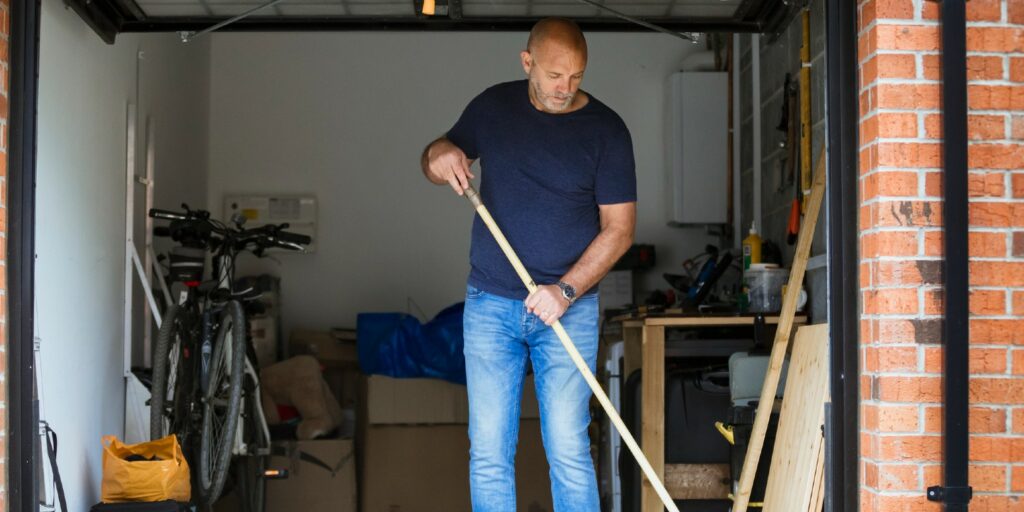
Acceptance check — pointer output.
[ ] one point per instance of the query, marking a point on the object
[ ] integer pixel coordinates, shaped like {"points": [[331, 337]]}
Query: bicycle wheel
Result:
{"points": [[221, 402], [249, 471], [169, 407]]}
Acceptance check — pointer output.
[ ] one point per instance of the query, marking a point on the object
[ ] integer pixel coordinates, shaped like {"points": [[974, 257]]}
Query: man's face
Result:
{"points": [[555, 74]]}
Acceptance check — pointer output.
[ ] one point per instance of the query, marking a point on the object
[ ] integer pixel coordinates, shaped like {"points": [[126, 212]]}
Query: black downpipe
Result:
{"points": [[955, 493], [22, 406], [842, 452]]}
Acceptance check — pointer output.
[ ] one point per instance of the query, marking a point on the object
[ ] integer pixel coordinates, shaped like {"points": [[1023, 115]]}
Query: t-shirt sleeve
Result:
{"points": [[466, 132], [616, 170]]}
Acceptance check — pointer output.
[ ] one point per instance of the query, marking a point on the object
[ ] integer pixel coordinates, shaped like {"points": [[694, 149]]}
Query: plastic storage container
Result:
{"points": [[764, 287]]}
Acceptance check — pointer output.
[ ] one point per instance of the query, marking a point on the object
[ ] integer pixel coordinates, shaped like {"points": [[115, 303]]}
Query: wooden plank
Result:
{"points": [[697, 481], [818, 495], [782, 334], [799, 441], [653, 400]]}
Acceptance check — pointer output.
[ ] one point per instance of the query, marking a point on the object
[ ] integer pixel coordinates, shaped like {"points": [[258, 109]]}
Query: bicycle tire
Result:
{"points": [[250, 469], [165, 364], [223, 398]]}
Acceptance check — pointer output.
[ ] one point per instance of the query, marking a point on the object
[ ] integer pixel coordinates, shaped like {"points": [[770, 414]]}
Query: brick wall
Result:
{"points": [[901, 253]]}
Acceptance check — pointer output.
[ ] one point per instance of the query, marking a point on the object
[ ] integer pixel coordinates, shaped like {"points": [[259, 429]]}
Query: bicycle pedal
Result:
{"points": [[275, 474]]}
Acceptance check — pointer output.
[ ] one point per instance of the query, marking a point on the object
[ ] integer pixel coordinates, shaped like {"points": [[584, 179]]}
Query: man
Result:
{"points": [[559, 179]]}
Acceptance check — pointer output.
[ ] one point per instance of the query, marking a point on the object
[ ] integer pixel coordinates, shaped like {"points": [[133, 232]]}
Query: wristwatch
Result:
{"points": [[568, 292]]}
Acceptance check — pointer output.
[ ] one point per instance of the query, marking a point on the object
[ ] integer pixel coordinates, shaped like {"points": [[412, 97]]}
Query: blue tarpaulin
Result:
{"points": [[398, 345]]}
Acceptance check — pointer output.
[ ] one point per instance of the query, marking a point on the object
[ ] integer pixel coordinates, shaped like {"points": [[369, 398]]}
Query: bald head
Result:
{"points": [[554, 60], [559, 34]]}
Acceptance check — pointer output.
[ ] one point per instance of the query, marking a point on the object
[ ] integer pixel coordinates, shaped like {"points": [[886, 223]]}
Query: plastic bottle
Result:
{"points": [[751, 248]]}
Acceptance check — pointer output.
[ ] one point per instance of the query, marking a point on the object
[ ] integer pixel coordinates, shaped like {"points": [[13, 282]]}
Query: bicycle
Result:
{"points": [[205, 382]]}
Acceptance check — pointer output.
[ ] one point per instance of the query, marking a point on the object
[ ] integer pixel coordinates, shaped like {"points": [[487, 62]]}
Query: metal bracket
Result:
{"points": [[951, 495], [188, 36]]}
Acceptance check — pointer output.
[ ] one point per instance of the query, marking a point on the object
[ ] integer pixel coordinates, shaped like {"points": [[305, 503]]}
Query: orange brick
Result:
{"points": [[988, 302], [897, 301], [910, 96], [986, 184], [933, 302], [986, 127], [994, 39], [1017, 69], [995, 215], [933, 184], [898, 418], [984, 244], [867, 43], [1017, 480], [1018, 362], [931, 67], [910, 448], [984, 10], [1015, 13], [1018, 303], [866, 14], [987, 478], [984, 68], [899, 477], [908, 331], [868, 416], [870, 474], [896, 125], [907, 37], [996, 503], [895, 65], [997, 331], [933, 126], [991, 390], [907, 214], [894, 9], [988, 361], [869, 131], [891, 183], [907, 272], [1017, 128], [929, 10], [903, 154], [996, 273], [909, 389], [1017, 181], [905, 503], [995, 156], [996, 449], [995, 97], [1018, 421], [891, 243], [896, 359], [985, 420]]}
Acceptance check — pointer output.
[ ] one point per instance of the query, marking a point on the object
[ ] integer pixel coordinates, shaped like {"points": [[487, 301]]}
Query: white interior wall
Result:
{"points": [[344, 116], [84, 87]]}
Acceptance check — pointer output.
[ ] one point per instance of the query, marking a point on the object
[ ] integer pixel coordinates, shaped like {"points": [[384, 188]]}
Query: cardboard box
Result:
{"points": [[392, 401], [310, 486], [426, 469], [326, 348], [263, 329]]}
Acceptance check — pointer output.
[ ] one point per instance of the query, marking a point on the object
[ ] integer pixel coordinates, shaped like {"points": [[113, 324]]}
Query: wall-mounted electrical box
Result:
{"points": [[697, 143], [299, 211]]}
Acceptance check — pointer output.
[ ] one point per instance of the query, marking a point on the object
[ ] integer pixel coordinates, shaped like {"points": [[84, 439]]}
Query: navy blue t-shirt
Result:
{"points": [[542, 178]]}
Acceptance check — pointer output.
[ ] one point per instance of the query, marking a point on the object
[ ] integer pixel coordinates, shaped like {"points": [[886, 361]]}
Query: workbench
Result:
{"points": [[644, 348]]}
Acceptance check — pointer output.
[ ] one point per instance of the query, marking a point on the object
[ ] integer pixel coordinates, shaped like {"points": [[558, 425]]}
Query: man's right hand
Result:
{"points": [[446, 163]]}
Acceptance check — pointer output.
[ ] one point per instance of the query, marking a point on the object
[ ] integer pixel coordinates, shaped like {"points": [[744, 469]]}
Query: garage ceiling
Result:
{"points": [[111, 17]]}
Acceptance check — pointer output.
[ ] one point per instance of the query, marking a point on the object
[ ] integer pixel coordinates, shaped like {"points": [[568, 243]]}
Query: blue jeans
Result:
{"points": [[499, 337]]}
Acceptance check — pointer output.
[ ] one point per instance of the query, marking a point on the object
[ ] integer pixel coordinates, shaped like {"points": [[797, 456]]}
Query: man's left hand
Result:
{"points": [[547, 303]]}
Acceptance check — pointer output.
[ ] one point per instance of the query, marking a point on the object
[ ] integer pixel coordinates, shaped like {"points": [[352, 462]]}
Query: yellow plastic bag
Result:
{"points": [[166, 477]]}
